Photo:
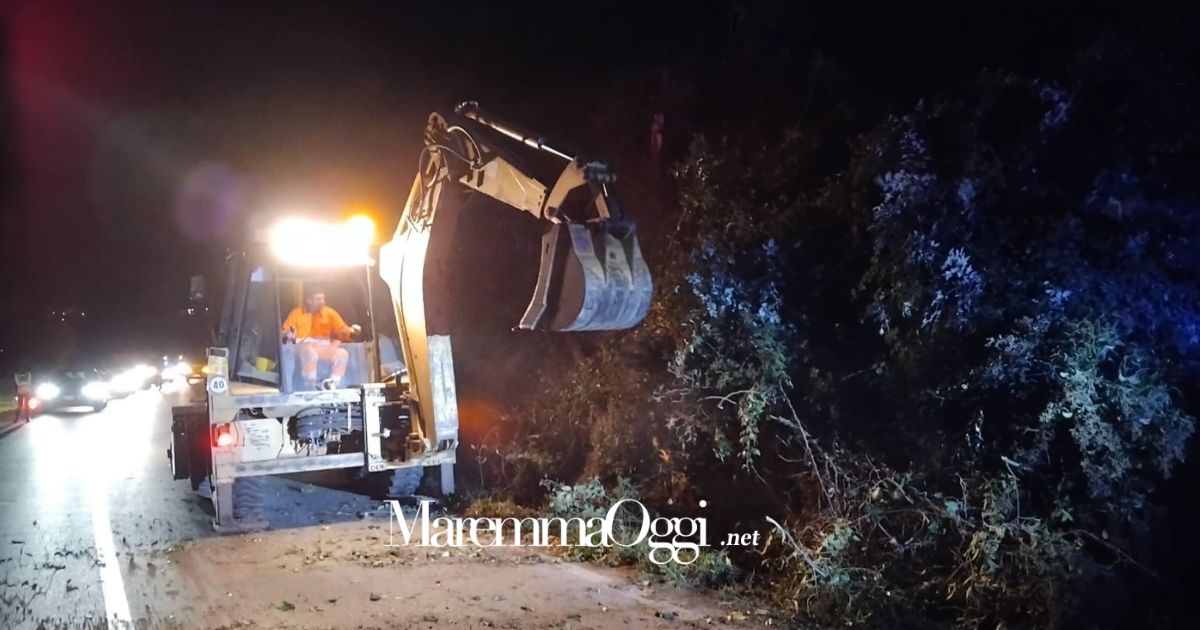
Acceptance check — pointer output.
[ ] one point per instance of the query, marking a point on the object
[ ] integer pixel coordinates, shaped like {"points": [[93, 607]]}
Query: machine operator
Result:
{"points": [[318, 330]]}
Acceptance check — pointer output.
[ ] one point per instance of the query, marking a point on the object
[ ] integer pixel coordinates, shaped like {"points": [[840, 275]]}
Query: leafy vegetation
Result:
{"points": [[946, 380]]}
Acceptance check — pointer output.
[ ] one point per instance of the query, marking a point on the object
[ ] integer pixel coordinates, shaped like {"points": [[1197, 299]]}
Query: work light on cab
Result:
{"points": [[309, 243]]}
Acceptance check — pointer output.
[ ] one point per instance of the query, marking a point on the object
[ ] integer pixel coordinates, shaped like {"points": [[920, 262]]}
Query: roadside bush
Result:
{"points": [[952, 378]]}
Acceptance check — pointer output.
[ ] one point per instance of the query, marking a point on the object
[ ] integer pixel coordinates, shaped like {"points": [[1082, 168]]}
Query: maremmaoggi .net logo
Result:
{"points": [[627, 523]]}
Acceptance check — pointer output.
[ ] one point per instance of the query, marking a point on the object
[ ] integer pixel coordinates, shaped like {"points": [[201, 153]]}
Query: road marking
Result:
{"points": [[116, 606]]}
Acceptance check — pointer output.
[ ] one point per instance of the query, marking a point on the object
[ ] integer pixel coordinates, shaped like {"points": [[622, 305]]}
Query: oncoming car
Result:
{"points": [[183, 371], [69, 389]]}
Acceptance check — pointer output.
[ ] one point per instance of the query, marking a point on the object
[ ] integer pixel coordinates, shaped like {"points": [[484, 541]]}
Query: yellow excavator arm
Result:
{"points": [[592, 274]]}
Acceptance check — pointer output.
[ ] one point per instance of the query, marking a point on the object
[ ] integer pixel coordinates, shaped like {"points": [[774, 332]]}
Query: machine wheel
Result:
{"points": [[400, 482], [248, 499], [405, 481]]}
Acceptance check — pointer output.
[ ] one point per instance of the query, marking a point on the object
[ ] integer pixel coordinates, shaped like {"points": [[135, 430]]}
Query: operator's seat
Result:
{"points": [[357, 371]]}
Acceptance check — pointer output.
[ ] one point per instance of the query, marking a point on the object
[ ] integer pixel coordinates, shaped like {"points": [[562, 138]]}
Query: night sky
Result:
{"points": [[134, 136]]}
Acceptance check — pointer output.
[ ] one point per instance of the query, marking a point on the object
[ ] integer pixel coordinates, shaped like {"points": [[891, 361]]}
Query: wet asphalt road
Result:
{"points": [[56, 473], [77, 489]]}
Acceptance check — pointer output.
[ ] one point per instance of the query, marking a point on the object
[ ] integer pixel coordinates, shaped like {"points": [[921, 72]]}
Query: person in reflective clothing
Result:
{"points": [[318, 330]]}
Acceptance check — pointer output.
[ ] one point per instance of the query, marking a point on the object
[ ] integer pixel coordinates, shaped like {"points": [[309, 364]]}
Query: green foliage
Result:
{"points": [[590, 499], [1120, 414], [952, 377], [712, 569], [737, 357], [586, 500]]}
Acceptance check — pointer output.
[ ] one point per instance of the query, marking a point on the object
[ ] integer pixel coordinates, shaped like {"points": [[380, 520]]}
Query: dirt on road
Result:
{"points": [[345, 576], [324, 562]]}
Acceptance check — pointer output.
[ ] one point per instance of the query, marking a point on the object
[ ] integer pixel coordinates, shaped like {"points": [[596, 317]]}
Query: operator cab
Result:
{"points": [[264, 288]]}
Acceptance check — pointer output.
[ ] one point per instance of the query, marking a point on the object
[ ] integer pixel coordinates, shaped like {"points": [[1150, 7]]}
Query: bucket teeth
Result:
{"points": [[589, 279]]}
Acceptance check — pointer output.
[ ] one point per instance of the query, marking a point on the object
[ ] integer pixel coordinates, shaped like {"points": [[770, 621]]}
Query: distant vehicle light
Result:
{"points": [[95, 390], [306, 243], [145, 371], [127, 382], [179, 370], [47, 391]]}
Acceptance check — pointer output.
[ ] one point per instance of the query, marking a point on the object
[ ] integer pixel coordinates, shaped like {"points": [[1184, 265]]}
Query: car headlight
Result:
{"points": [[124, 382], [95, 390], [47, 391], [179, 370]]}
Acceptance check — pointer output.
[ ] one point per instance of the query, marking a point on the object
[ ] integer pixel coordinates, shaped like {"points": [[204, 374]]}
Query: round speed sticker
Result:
{"points": [[217, 385]]}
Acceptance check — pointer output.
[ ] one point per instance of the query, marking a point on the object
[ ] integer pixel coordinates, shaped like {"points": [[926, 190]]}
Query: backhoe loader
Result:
{"points": [[394, 411]]}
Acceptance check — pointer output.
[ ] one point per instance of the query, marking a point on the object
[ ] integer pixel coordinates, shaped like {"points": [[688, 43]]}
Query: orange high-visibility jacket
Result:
{"points": [[325, 324]]}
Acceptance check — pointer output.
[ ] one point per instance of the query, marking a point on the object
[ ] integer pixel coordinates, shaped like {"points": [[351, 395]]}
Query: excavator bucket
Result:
{"points": [[590, 278], [592, 274]]}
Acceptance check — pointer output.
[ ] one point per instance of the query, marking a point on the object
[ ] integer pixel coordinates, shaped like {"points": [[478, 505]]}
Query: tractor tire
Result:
{"points": [[405, 481], [249, 499], [399, 482]]}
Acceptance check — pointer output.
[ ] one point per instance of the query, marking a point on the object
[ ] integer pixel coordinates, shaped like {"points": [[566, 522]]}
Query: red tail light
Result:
{"points": [[223, 435]]}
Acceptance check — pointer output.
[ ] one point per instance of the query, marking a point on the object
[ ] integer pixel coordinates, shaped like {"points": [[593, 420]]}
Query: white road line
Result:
{"points": [[116, 606]]}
